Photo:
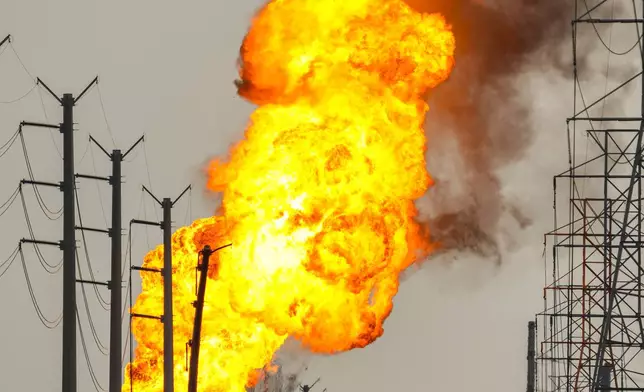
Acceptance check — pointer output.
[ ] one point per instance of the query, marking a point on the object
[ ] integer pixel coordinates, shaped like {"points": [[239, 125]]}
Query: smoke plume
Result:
{"points": [[478, 108]]}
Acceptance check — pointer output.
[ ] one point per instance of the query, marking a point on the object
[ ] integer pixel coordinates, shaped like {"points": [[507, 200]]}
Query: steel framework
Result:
{"points": [[591, 332]]}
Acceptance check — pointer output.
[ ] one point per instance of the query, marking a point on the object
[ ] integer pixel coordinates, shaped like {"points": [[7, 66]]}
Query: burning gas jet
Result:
{"points": [[318, 199]]}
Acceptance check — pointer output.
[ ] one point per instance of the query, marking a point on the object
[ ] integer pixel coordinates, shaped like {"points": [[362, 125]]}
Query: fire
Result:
{"points": [[318, 199]]}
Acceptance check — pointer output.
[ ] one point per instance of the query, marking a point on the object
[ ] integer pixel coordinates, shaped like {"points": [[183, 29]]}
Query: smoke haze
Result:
{"points": [[479, 108]]}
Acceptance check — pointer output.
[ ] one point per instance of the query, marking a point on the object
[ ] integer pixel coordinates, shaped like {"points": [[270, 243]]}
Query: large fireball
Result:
{"points": [[318, 199]]}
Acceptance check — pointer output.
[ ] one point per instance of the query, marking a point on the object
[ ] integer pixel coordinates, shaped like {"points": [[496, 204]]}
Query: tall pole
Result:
{"points": [[168, 338], [196, 331], [532, 329], [116, 380], [69, 248]]}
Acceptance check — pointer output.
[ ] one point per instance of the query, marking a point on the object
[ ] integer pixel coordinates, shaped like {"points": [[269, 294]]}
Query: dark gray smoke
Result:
{"points": [[478, 107]]}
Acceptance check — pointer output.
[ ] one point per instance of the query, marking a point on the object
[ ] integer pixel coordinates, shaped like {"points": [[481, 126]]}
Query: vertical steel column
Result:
{"points": [[196, 331], [532, 329], [116, 380], [168, 335], [69, 248]]}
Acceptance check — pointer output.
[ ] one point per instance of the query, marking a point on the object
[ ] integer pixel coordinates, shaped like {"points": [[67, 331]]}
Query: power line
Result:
{"points": [[608, 47], [107, 123], [6, 264], [51, 269], [21, 62], [104, 303], [34, 82], [98, 190], [128, 293], [90, 368], [21, 97], [50, 324], [9, 202], [51, 132], [49, 213], [9, 143], [147, 168], [101, 347]]}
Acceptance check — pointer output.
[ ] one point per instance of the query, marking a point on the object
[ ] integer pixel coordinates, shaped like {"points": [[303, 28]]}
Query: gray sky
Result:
{"points": [[166, 70]]}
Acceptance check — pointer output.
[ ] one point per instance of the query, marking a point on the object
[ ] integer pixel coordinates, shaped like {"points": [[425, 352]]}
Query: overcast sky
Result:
{"points": [[166, 70]]}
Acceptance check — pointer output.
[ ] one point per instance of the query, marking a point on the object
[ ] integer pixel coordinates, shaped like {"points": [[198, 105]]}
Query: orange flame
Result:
{"points": [[318, 199]]}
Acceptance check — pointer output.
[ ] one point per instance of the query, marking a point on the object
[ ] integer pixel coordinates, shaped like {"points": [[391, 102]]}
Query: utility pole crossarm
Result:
{"points": [[146, 269], [103, 231], [146, 316], [40, 125], [58, 244], [181, 195], [5, 40], [92, 282], [92, 83], [152, 195], [42, 183], [142, 138], [53, 94], [144, 222], [92, 140], [91, 177]]}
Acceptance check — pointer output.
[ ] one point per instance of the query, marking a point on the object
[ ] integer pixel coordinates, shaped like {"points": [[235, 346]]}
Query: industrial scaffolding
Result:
{"points": [[590, 335]]}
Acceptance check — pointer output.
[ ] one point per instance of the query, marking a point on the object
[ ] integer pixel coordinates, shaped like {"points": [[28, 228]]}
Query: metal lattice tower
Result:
{"points": [[591, 333]]}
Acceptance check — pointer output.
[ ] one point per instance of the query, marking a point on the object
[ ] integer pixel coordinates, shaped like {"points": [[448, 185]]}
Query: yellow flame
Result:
{"points": [[318, 199]]}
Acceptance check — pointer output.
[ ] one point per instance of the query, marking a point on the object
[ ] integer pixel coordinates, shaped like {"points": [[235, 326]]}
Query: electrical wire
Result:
{"points": [[127, 291], [51, 269], [90, 368], [4, 207], [51, 132], [85, 152], [104, 303], [129, 245], [50, 214], [147, 168], [98, 189], [107, 123], [21, 97], [134, 156], [20, 61], [6, 264], [101, 347], [126, 345], [188, 217], [128, 288], [145, 216], [34, 82], [9, 143], [50, 324], [610, 50]]}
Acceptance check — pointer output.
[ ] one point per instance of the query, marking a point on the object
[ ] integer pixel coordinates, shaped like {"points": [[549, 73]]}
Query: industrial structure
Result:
{"points": [[590, 335]]}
